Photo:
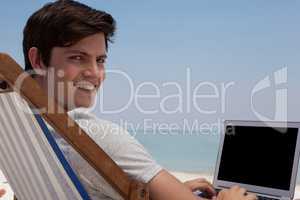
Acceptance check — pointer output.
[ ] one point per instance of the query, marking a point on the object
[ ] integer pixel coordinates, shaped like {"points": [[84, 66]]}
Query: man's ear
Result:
{"points": [[35, 58]]}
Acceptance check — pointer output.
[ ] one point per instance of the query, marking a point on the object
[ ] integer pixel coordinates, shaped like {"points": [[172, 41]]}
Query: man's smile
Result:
{"points": [[85, 85]]}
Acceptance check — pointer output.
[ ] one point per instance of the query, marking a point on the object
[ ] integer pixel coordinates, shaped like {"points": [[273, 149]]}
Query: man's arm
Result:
{"points": [[165, 186]]}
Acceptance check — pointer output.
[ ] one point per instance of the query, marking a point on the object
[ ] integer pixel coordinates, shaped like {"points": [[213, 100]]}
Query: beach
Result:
{"points": [[182, 176], [185, 156]]}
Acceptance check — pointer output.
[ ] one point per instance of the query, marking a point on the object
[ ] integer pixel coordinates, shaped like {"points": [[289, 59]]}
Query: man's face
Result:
{"points": [[76, 72]]}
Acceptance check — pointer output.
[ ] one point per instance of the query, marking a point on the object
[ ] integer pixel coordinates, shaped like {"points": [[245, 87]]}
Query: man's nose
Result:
{"points": [[95, 70]]}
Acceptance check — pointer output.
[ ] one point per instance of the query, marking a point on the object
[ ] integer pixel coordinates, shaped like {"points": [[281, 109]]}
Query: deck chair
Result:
{"points": [[29, 156]]}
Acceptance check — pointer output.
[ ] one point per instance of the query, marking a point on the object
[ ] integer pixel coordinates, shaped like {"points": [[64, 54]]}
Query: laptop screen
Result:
{"points": [[260, 156]]}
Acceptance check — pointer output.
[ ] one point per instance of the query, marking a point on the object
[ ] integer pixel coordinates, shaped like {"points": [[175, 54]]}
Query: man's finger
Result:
{"points": [[242, 191], [206, 187], [251, 197], [209, 188], [235, 188]]}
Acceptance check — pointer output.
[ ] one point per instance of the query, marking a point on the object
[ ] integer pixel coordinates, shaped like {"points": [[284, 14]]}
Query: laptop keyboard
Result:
{"points": [[265, 198], [259, 197]]}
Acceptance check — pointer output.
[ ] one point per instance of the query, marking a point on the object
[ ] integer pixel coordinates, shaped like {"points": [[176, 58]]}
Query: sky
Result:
{"points": [[161, 45]]}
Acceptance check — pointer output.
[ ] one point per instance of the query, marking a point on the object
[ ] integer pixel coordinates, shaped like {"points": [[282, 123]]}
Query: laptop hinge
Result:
{"points": [[285, 198]]}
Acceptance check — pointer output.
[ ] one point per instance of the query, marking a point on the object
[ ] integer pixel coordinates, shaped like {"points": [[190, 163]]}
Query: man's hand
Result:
{"points": [[201, 184], [235, 193], [2, 192], [165, 186]]}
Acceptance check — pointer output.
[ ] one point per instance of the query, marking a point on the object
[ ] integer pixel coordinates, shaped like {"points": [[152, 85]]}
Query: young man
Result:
{"points": [[68, 41]]}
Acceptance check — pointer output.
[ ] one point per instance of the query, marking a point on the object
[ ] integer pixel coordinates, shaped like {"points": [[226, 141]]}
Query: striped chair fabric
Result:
{"points": [[29, 156]]}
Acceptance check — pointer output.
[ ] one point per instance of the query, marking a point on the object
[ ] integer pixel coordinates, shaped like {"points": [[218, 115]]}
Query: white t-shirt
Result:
{"points": [[127, 152]]}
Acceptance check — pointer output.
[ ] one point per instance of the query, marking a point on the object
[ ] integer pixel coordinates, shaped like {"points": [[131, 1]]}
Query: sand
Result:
{"points": [[182, 176]]}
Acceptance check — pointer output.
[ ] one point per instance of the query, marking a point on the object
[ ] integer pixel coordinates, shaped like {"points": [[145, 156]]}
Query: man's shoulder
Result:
{"points": [[103, 132], [123, 148], [86, 118]]}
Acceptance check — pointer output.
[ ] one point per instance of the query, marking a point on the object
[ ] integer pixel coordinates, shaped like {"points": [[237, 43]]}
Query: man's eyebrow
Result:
{"points": [[102, 56], [84, 53], [76, 51]]}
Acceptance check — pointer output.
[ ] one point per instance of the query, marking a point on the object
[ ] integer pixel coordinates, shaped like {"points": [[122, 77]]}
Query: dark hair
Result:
{"points": [[63, 23]]}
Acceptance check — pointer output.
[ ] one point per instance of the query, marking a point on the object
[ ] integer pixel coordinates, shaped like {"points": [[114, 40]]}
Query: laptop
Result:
{"points": [[262, 157]]}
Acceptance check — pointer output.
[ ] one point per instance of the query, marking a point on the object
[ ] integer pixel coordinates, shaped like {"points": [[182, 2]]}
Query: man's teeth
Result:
{"points": [[85, 85]]}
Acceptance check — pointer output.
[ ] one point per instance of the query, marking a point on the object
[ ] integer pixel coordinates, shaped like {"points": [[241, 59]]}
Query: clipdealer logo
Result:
{"points": [[279, 79]]}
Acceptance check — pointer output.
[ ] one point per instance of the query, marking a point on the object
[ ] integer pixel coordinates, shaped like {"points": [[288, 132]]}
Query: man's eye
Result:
{"points": [[100, 60], [78, 58]]}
